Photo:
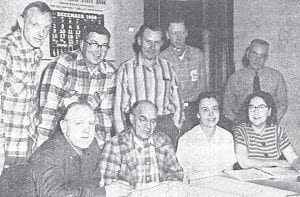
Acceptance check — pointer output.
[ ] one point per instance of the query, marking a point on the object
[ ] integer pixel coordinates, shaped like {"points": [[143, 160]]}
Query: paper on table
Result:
{"points": [[280, 172], [248, 174]]}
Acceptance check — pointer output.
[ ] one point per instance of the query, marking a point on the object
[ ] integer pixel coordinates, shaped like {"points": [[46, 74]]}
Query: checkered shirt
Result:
{"points": [[120, 160], [68, 74], [18, 66], [147, 166]]}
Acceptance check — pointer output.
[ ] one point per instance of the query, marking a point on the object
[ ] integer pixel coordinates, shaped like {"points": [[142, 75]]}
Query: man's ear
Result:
{"points": [[21, 21], [63, 126], [167, 34], [131, 118], [139, 40], [81, 43]]}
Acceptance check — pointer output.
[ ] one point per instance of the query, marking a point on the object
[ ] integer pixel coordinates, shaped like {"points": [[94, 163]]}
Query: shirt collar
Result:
{"points": [[140, 62], [102, 67], [185, 52], [76, 149]]}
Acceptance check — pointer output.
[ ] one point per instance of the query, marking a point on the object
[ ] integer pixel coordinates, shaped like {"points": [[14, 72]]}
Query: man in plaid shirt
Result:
{"points": [[20, 57], [82, 73], [139, 156]]}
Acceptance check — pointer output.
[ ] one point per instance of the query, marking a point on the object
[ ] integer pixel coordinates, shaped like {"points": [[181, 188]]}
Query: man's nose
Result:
{"points": [[42, 32]]}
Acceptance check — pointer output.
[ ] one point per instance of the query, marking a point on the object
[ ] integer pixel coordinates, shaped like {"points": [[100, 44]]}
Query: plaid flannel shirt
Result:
{"points": [[119, 159], [147, 166], [67, 75], [18, 85]]}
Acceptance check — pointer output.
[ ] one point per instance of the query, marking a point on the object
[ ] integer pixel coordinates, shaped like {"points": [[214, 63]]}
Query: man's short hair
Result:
{"points": [[260, 42], [137, 104], [89, 27], [69, 107], [148, 26], [178, 19], [42, 6]]}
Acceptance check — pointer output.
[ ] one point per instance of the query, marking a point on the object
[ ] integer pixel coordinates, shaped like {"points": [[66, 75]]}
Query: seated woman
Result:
{"points": [[259, 141], [206, 149]]}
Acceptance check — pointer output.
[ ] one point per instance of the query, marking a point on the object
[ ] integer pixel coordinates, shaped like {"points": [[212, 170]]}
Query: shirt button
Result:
{"points": [[148, 179], [147, 162], [263, 143], [266, 155]]}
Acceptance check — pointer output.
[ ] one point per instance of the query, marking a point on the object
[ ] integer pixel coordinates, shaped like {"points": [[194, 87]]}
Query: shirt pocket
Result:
{"points": [[16, 84]]}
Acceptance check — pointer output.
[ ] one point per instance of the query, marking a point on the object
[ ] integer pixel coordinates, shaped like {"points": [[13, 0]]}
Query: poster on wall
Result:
{"points": [[68, 20]]}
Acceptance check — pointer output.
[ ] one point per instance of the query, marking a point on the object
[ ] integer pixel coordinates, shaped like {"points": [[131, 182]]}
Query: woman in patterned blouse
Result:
{"points": [[259, 141]]}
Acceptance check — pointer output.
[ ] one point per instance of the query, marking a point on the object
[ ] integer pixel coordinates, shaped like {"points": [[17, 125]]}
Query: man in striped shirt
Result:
{"points": [[20, 57], [149, 77], [80, 73]]}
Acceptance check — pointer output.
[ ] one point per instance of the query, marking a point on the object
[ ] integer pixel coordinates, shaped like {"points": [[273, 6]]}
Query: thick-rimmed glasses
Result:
{"points": [[95, 46], [259, 108]]}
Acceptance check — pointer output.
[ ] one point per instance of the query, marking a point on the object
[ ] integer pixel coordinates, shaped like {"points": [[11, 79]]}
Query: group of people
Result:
{"points": [[83, 128]]}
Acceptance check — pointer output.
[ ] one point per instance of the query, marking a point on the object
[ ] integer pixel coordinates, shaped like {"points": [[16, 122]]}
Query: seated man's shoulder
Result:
{"points": [[161, 139], [120, 138], [51, 148]]}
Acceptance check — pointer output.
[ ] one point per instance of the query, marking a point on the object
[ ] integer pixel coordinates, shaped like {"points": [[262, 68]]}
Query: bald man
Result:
{"points": [[153, 151], [66, 165]]}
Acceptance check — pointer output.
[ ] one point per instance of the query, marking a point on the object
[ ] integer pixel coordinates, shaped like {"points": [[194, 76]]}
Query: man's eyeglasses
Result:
{"points": [[259, 108], [95, 46]]}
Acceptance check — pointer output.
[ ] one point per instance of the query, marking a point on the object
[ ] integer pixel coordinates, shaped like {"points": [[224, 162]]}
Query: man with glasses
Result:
{"points": [[254, 77], [80, 73], [139, 157], [149, 77]]}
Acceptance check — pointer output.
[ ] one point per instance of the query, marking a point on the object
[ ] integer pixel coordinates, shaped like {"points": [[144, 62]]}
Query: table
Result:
{"points": [[225, 186]]}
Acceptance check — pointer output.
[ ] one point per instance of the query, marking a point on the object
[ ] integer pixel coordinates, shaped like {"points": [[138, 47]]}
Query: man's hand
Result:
{"points": [[118, 189]]}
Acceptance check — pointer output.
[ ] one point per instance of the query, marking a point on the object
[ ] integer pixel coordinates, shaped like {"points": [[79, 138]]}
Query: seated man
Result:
{"points": [[66, 165], [139, 156], [206, 149]]}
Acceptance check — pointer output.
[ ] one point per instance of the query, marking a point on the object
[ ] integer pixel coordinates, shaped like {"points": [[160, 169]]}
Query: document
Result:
{"points": [[248, 174], [262, 173]]}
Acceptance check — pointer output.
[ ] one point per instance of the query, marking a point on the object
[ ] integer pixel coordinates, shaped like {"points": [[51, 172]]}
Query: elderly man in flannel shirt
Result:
{"points": [[139, 156], [81, 73], [20, 57]]}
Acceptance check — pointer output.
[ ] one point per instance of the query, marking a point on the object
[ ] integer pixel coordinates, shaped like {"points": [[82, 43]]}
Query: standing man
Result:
{"points": [[80, 73], [20, 57], [149, 77], [188, 63], [255, 76]]}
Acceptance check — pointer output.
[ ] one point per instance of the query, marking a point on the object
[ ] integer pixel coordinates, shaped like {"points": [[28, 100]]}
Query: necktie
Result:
{"points": [[256, 82]]}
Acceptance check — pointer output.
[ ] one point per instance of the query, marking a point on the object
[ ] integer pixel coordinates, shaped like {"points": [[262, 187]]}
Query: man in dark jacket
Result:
{"points": [[67, 164]]}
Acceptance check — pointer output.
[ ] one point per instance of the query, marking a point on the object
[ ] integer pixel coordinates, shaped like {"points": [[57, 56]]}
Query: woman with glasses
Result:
{"points": [[259, 141]]}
